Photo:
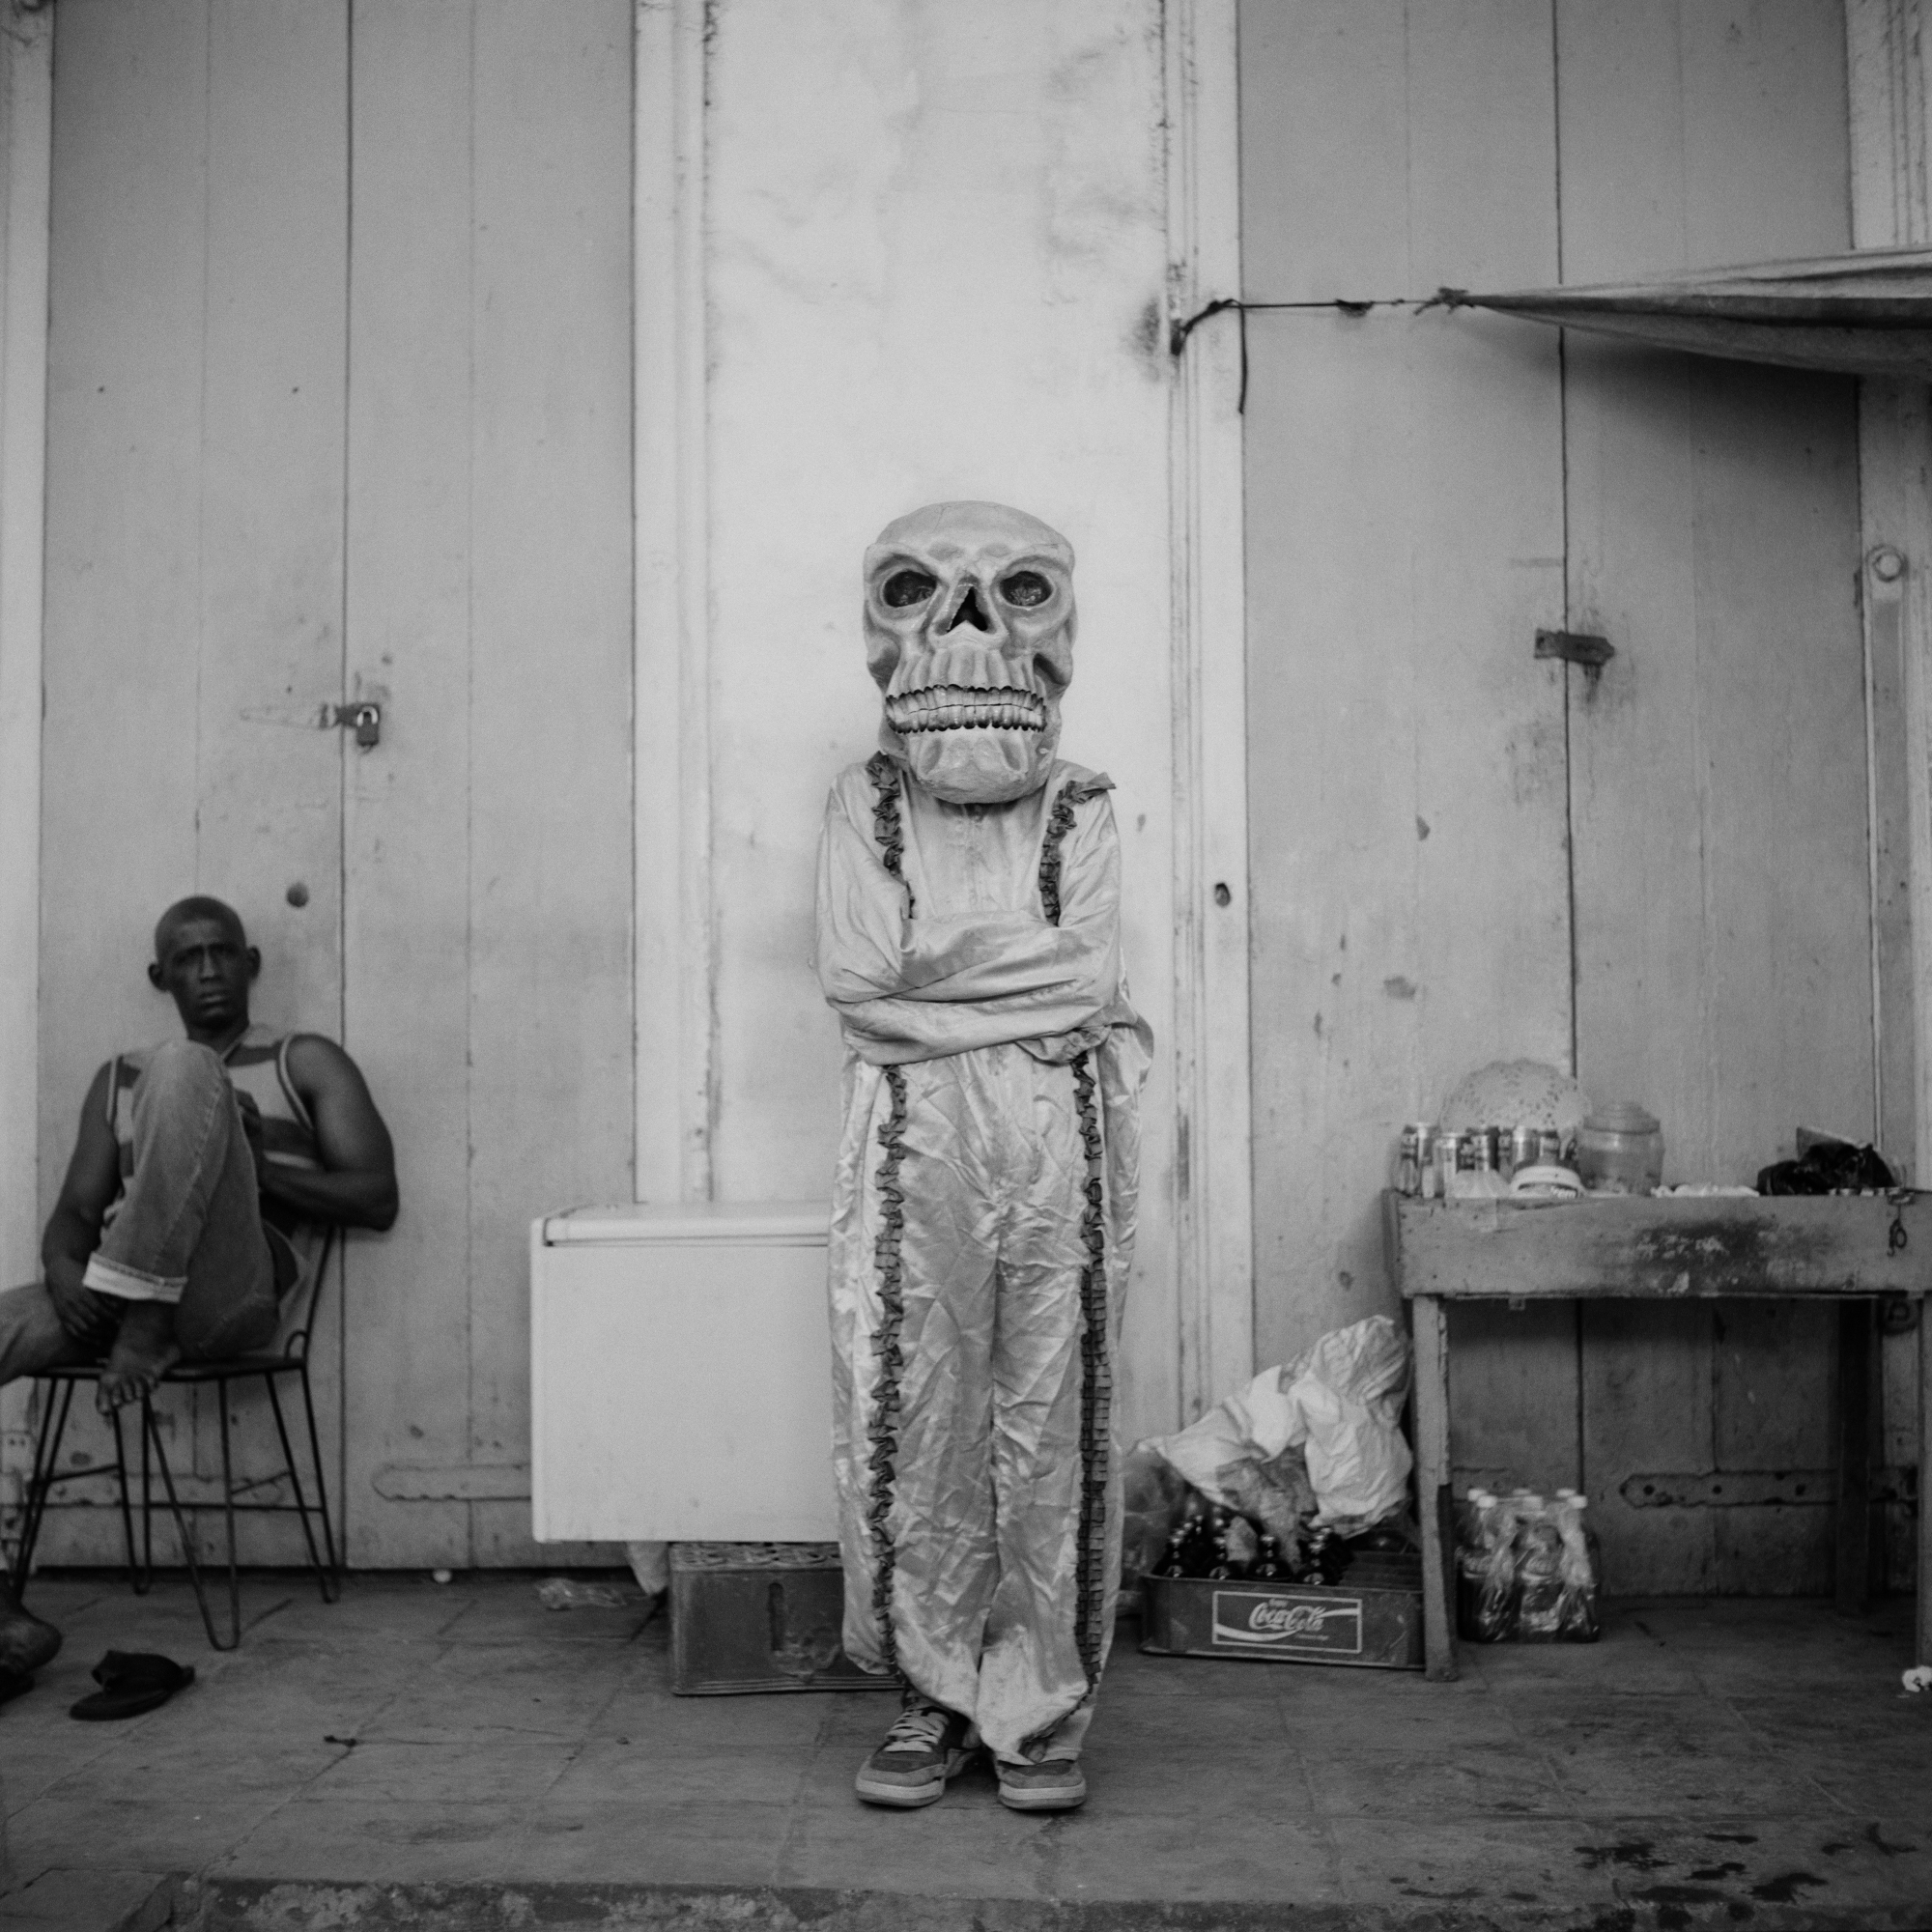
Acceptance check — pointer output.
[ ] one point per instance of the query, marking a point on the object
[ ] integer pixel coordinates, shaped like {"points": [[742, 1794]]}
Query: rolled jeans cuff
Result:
{"points": [[116, 1278]]}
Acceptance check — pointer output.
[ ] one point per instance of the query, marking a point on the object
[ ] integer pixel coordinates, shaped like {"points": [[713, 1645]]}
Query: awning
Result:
{"points": [[1867, 314]]}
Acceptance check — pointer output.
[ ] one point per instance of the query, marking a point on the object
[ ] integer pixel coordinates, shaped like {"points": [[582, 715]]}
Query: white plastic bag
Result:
{"points": [[1322, 1433], [1348, 1394]]}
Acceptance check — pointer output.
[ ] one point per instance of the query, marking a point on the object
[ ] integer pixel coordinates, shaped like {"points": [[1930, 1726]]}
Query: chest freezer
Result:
{"points": [[681, 1375]]}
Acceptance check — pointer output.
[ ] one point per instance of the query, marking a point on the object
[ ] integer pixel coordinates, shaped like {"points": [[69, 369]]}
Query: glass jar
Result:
{"points": [[1620, 1149]]}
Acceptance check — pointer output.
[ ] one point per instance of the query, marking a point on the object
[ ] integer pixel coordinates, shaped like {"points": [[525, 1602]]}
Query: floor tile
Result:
{"points": [[1451, 1859], [1492, 1780], [604, 1771], [626, 1841], [456, 1773], [384, 1841]]}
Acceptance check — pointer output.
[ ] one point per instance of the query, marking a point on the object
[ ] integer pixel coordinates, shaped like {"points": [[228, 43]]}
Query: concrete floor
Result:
{"points": [[457, 1757]]}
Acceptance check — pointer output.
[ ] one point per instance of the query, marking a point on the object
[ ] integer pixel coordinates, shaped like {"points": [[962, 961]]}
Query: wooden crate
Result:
{"points": [[760, 1617], [1371, 1620]]}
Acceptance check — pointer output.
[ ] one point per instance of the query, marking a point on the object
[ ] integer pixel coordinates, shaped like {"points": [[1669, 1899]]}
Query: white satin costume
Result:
{"points": [[982, 1227]]}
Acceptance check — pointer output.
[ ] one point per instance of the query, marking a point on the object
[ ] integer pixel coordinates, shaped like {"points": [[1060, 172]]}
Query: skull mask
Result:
{"points": [[968, 633]]}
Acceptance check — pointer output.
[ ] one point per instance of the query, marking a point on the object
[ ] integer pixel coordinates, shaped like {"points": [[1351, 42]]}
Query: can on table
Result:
{"points": [[1409, 1163], [1549, 1146], [1523, 1145], [1489, 1144], [1451, 1150], [1431, 1176]]}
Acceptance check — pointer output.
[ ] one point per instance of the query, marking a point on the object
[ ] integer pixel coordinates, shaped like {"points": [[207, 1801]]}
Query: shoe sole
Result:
{"points": [[912, 1797], [1045, 1800]]}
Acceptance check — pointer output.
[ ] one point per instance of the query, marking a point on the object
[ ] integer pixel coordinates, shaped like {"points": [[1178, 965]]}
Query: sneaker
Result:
{"points": [[924, 1748], [1053, 1785]]}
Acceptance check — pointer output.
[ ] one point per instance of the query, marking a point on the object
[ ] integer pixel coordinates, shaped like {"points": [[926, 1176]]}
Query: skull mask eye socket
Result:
{"points": [[906, 587], [1026, 588]]}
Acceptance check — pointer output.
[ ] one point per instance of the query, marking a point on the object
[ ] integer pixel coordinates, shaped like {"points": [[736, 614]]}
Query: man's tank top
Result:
{"points": [[257, 1066]]}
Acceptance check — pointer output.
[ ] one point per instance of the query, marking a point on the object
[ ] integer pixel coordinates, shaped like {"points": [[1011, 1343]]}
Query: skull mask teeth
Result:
{"points": [[969, 633]]}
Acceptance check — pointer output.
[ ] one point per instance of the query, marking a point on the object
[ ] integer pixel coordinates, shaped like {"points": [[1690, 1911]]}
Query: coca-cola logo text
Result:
{"points": [[1249, 1620]]}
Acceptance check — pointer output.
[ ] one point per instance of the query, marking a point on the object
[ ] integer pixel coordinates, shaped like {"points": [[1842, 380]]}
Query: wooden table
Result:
{"points": [[1846, 1249]]}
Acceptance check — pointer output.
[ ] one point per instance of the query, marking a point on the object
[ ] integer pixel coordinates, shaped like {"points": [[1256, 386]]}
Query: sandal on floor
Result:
{"points": [[15, 1683], [131, 1682]]}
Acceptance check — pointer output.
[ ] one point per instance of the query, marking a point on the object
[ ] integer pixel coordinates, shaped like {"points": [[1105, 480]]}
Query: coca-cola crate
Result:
{"points": [[1371, 1620], [760, 1617]]}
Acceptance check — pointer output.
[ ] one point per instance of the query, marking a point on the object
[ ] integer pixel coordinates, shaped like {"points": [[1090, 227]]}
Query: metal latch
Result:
{"points": [[1576, 647], [365, 719]]}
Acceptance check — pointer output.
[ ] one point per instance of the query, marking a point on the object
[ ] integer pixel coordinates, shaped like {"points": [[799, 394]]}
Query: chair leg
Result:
{"points": [[147, 1581], [47, 1458], [228, 1510], [153, 1435], [324, 1579], [136, 1582], [336, 1559]]}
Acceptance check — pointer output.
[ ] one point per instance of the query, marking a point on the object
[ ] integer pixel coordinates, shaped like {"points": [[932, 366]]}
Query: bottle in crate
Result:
{"points": [[1576, 1618], [1539, 1569]]}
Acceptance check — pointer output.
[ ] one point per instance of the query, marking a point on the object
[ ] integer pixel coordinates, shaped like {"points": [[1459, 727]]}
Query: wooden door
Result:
{"points": [[1461, 853], [340, 406]]}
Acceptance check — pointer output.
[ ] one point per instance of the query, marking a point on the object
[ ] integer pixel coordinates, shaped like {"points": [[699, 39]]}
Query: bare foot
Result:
{"points": [[144, 1349]]}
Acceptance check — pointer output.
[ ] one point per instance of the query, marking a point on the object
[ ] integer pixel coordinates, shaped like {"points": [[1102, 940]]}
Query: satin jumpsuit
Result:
{"points": [[983, 1228]]}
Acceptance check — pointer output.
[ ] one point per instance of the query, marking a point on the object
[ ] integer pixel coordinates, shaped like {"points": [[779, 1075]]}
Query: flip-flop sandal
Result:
{"points": [[131, 1682], [15, 1683]]}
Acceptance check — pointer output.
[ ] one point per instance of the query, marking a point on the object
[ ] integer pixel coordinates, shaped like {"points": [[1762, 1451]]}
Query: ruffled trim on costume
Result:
{"points": [[886, 825], [1057, 824], [883, 1432], [1097, 1391]]}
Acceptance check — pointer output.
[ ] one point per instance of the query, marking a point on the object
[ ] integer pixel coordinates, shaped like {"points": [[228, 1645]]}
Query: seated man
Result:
{"points": [[195, 1162]]}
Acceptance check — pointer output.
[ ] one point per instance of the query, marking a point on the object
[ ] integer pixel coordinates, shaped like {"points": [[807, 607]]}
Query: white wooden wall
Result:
{"points": [[886, 304], [1461, 854]]}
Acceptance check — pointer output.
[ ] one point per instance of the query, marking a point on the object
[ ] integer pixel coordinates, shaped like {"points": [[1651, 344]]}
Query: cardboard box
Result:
{"points": [[1371, 1620], [760, 1617]]}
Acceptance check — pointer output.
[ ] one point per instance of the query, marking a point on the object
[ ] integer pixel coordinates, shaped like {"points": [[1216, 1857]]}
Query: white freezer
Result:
{"points": [[681, 1375]]}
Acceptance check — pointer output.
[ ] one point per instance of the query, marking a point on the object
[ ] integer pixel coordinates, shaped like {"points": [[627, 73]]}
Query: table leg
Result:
{"points": [[1433, 1498], [1854, 1553], [1925, 1479]]}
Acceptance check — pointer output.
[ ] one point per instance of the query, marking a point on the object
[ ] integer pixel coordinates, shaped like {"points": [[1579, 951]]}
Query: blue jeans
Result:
{"points": [[189, 1229]]}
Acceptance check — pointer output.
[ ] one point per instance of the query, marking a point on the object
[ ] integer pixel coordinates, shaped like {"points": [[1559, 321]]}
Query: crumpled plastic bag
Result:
{"points": [[1322, 1433]]}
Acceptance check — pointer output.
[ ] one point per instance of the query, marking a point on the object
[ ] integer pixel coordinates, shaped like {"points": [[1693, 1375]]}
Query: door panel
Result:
{"points": [[1405, 543], [1718, 778], [194, 548], [1433, 817], [489, 855], [258, 447]]}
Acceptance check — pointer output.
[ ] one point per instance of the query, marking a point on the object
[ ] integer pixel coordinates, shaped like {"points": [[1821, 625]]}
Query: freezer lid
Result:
{"points": [[770, 1224]]}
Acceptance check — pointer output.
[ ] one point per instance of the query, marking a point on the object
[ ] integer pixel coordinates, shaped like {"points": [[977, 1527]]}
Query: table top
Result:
{"points": [[1670, 1247]]}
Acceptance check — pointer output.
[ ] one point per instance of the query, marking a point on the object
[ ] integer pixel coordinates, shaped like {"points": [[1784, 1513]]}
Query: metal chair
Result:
{"points": [[288, 1357]]}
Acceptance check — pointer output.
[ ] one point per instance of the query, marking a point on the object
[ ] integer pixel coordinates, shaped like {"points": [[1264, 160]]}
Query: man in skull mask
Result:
{"points": [[984, 1215]]}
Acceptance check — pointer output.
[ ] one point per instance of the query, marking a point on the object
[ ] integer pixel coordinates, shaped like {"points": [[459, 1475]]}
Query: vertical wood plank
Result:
{"points": [[1722, 912], [550, 858], [1852, 1555], [407, 913], [1647, 1409], [197, 435], [1405, 535], [26, 155], [1892, 207], [1512, 1390], [270, 783], [121, 730], [124, 532], [1775, 1399], [1433, 1500]]}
